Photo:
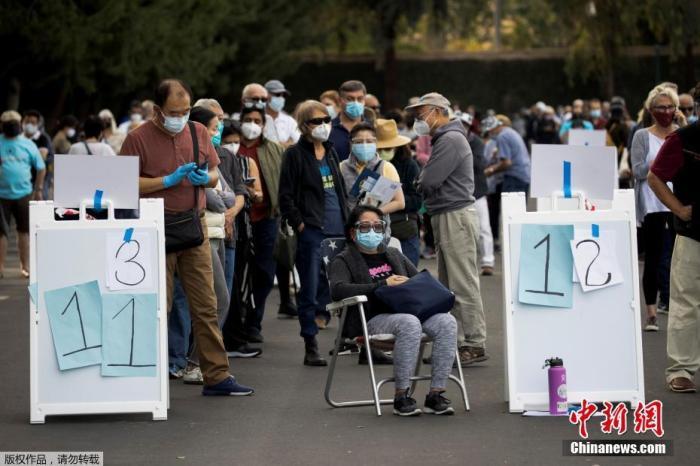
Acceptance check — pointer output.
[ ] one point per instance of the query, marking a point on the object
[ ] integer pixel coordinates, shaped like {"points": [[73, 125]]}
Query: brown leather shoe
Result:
{"points": [[486, 271], [682, 385], [471, 354]]}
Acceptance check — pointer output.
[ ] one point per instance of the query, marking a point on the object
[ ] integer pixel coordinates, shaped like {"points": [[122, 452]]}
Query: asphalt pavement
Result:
{"points": [[287, 421]]}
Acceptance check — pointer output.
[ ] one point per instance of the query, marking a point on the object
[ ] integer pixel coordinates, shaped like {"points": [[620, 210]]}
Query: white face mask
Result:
{"points": [[30, 128], [321, 132], [331, 111], [70, 132], [136, 118], [421, 127], [251, 130], [232, 147]]}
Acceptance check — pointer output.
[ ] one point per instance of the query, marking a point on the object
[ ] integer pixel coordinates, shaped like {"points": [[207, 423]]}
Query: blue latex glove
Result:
{"points": [[178, 175], [199, 177]]}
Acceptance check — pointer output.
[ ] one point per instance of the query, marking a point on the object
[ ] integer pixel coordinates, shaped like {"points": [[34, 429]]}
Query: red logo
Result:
{"points": [[647, 417]]}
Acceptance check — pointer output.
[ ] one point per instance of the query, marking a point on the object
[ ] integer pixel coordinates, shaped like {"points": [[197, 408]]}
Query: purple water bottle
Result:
{"points": [[557, 386]]}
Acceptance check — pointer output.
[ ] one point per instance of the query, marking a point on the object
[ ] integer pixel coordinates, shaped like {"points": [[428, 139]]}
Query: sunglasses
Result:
{"points": [[686, 109], [365, 227], [318, 121], [256, 99]]}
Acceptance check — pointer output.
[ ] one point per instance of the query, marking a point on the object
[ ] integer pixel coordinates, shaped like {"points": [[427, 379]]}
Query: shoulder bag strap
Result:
{"points": [[195, 147], [87, 148]]}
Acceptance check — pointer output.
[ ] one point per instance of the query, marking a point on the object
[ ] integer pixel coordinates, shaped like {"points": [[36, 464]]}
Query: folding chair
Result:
{"points": [[329, 249]]}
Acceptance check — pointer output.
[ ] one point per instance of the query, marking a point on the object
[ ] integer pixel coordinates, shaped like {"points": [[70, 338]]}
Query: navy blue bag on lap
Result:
{"points": [[422, 296]]}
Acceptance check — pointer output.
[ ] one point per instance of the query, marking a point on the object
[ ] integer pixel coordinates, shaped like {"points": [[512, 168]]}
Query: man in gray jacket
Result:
{"points": [[447, 185]]}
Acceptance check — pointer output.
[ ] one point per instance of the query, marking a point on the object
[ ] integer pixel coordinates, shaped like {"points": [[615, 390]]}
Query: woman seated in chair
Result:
{"points": [[361, 269]]}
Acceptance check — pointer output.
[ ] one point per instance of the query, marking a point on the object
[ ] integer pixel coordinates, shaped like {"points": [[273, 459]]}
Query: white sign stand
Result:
{"points": [[599, 338], [67, 253]]}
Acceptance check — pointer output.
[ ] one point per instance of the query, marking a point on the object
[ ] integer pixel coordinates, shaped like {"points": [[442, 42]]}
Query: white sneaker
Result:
{"points": [[193, 376]]}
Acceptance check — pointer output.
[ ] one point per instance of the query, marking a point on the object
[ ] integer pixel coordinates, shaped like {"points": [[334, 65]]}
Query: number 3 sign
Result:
{"points": [[129, 261]]}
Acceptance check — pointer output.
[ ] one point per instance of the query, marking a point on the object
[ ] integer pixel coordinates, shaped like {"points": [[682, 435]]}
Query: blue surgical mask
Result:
{"points": [[276, 103], [354, 110], [175, 124], [364, 152], [595, 113], [370, 240], [692, 119], [216, 139]]}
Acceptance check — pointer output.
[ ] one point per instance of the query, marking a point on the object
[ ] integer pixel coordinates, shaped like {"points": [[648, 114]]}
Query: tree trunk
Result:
{"points": [[689, 63], [387, 39]]}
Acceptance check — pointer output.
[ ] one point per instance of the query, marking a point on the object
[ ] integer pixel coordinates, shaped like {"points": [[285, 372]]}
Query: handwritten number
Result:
{"points": [[74, 299], [131, 303], [546, 239], [130, 261], [588, 269]]}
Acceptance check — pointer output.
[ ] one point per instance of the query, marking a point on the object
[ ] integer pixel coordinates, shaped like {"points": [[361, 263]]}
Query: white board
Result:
{"points": [[78, 177], [66, 253], [599, 338], [587, 137], [593, 170]]}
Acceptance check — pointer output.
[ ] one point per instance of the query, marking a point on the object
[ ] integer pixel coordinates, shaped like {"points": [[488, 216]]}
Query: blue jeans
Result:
{"points": [[314, 294], [230, 268], [514, 185], [411, 249], [179, 328], [264, 234]]}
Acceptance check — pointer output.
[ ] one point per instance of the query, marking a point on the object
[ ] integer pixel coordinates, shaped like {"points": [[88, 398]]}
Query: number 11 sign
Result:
{"points": [[545, 265]]}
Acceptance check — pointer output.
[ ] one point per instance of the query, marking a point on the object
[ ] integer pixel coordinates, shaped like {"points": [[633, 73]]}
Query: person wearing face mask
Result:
{"points": [[92, 143], [110, 134], [165, 146], [313, 203], [243, 169], [254, 95], [447, 186], [677, 161], [595, 111], [279, 127], [513, 159], [65, 135], [361, 269], [331, 99], [577, 121], [135, 118], [352, 99], [393, 148], [264, 214], [18, 157], [33, 129], [364, 156], [655, 218]]}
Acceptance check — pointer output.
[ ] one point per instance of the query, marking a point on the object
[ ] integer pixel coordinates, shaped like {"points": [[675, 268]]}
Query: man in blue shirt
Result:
{"points": [[18, 155], [514, 160], [352, 98]]}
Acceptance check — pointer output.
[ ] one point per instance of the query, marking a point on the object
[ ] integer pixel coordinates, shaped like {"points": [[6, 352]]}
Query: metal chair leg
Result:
{"points": [[462, 384], [370, 363], [334, 360]]}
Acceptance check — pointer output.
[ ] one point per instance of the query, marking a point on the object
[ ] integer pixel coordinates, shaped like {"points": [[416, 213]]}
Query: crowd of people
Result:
{"points": [[257, 176]]}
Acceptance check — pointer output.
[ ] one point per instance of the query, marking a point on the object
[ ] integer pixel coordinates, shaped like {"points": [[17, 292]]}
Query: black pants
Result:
{"points": [[494, 202], [656, 229]]}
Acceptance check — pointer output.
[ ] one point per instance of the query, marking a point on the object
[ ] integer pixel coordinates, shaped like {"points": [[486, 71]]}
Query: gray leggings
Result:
{"points": [[441, 328]]}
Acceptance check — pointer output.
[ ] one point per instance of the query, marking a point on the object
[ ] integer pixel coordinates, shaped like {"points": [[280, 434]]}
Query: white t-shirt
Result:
{"points": [[281, 129], [652, 204], [96, 148]]}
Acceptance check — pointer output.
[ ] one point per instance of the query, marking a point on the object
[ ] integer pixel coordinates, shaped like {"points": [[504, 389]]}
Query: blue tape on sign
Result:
{"points": [[97, 201], [595, 230], [567, 179], [127, 234]]}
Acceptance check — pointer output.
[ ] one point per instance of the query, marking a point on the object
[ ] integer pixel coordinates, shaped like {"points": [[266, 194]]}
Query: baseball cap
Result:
{"points": [[432, 98], [490, 123], [275, 86]]}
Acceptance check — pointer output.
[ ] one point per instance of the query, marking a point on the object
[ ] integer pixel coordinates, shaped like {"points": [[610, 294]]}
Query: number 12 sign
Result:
{"points": [[129, 261], [545, 265]]}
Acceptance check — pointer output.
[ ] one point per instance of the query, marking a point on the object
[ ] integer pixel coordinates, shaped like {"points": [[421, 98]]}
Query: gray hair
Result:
{"points": [[209, 104]]}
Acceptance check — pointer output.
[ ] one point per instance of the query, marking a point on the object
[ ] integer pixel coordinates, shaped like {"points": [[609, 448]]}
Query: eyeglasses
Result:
{"points": [[318, 121], [256, 99], [686, 109], [665, 108], [364, 141], [365, 227]]}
